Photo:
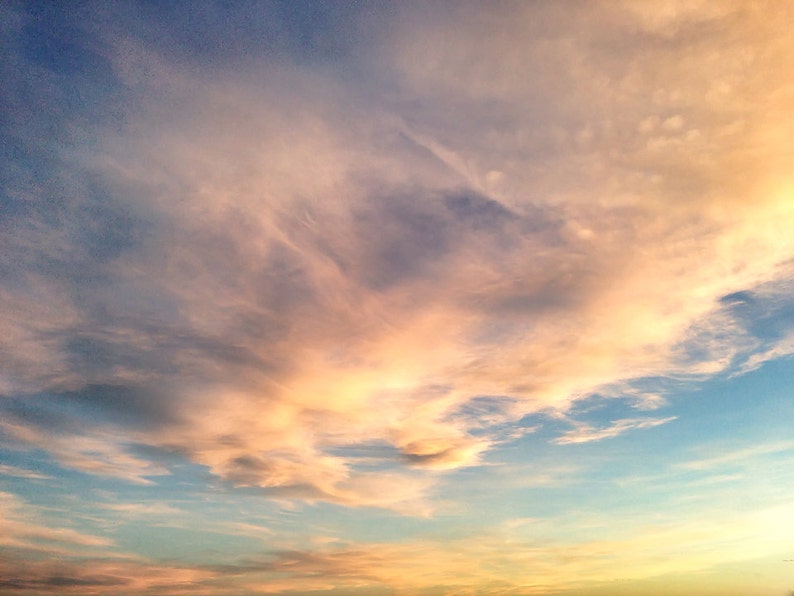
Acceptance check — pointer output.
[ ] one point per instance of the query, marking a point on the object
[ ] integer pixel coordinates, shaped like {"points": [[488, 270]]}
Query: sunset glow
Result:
{"points": [[411, 298]]}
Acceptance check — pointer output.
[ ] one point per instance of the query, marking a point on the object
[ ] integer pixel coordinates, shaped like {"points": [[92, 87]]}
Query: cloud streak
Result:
{"points": [[584, 433], [23, 528]]}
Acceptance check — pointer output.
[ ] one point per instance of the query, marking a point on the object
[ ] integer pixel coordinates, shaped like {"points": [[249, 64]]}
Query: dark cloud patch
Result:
{"points": [[107, 229], [406, 235], [44, 412], [56, 583], [163, 353], [547, 222], [95, 357], [429, 459], [248, 469], [67, 581], [79, 576], [125, 406], [105, 352], [403, 236], [478, 212], [409, 235], [556, 293], [541, 285], [100, 227], [92, 407], [282, 285]]}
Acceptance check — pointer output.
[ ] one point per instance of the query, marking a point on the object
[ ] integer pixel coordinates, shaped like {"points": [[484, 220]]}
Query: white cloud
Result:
{"points": [[584, 433]]}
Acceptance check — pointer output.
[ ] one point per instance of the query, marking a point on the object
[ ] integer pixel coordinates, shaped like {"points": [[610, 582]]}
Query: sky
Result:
{"points": [[397, 298]]}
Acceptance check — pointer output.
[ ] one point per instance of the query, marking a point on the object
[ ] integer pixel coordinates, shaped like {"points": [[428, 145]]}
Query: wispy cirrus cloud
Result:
{"points": [[17, 472], [584, 433], [738, 457], [23, 527]]}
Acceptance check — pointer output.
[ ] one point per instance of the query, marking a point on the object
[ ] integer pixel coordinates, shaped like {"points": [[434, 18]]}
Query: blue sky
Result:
{"points": [[399, 298]]}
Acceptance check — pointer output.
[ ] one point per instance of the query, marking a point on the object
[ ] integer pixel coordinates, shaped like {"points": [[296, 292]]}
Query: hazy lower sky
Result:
{"points": [[412, 298]]}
